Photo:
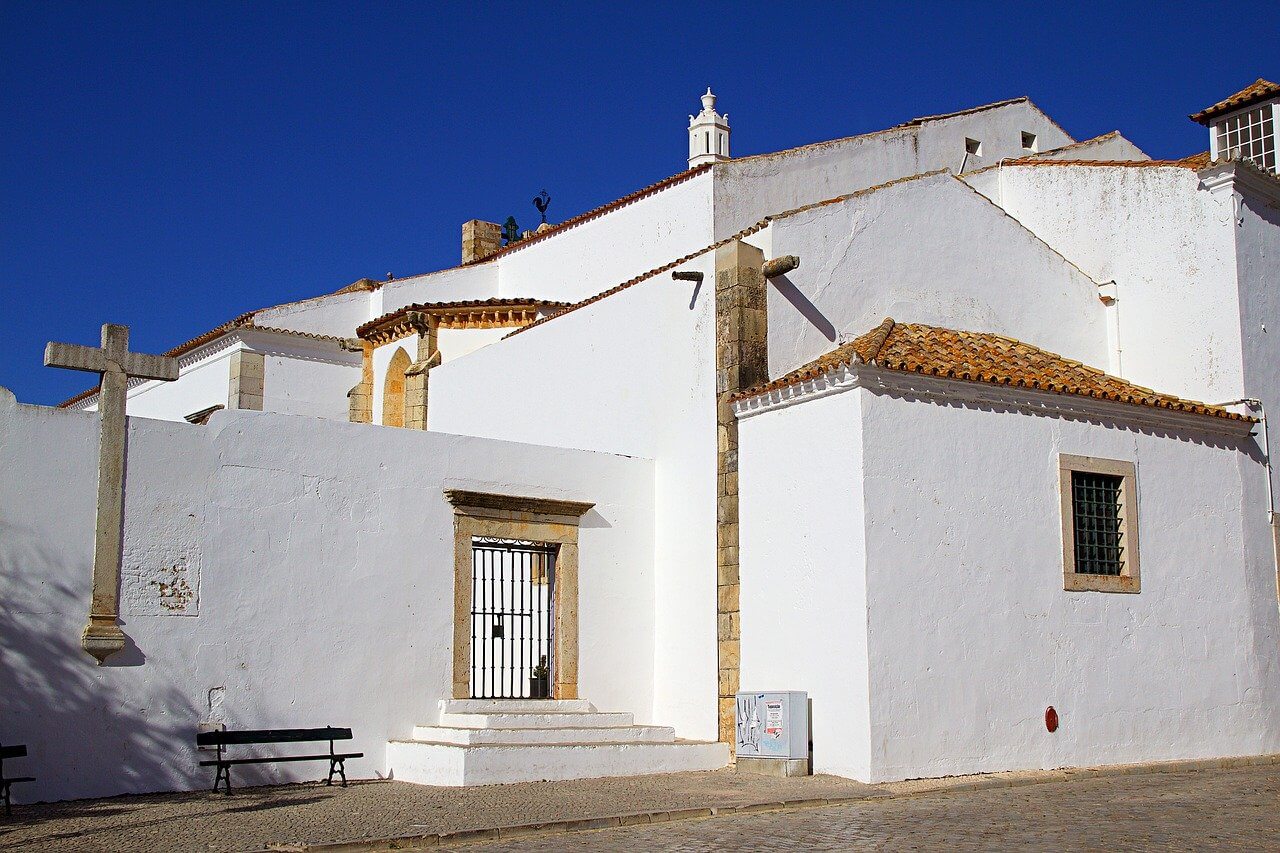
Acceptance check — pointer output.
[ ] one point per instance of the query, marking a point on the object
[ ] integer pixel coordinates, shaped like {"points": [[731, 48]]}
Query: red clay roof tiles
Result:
{"points": [[982, 357], [1258, 90]]}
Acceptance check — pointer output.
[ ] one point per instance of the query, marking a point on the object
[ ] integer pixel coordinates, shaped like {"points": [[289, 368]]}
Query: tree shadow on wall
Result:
{"points": [[90, 731]]}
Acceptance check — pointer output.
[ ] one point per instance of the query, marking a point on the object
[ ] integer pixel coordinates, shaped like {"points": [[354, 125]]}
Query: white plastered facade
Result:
{"points": [[919, 531]]}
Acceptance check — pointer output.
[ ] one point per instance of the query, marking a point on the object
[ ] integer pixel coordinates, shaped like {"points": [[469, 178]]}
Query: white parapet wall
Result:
{"points": [[279, 571]]}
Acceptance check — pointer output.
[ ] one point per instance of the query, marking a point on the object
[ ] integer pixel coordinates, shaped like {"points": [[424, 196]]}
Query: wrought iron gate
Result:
{"points": [[512, 619]]}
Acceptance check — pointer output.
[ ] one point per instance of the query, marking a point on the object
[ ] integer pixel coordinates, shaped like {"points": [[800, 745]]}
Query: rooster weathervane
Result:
{"points": [[542, 201]]}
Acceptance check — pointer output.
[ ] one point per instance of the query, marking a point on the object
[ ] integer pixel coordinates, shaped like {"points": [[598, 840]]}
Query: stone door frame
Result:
{"points": [[532, 519]]}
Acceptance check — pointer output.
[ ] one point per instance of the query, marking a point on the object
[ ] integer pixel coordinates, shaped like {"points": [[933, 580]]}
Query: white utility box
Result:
{"points": [[773, 725]]}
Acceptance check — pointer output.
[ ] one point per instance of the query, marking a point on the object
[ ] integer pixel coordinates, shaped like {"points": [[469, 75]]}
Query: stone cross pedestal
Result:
{"points": [[116, 365]]}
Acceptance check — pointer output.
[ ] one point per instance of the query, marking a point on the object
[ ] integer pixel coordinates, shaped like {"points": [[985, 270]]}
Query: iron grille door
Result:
{"points": [[512, 618]]}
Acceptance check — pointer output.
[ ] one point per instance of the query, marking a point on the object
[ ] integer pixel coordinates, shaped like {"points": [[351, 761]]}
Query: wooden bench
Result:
{"points": [[5, 782], [224, 739]]}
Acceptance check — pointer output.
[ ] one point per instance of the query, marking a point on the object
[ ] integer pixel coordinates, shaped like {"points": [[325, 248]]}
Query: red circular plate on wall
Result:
{"points": [[1051, 719]]}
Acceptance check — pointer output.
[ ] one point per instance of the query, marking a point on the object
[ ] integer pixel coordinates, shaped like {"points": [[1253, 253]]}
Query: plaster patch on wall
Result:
{"points": [[160, 574]]}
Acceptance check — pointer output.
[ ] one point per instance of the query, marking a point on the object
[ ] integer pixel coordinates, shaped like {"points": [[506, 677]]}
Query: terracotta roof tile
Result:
{"points": [[461, 305], [1258, 90], [1136, 164], [982, 357], [1197, 161], [922, 119]]}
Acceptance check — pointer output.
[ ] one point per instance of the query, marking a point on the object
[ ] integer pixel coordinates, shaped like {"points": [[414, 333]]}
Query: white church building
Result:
{"points": [[947, 425]]}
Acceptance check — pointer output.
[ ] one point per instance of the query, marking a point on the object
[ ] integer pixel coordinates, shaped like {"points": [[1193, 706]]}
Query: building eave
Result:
{"points": [[916, 386]]}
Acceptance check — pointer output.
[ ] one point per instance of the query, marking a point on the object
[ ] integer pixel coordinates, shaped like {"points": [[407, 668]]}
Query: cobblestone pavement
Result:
{"points": [[1201, 809], [252, 818]]}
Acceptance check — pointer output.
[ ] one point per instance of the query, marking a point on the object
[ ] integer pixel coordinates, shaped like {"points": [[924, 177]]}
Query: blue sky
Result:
{"points": [[171, 165]]}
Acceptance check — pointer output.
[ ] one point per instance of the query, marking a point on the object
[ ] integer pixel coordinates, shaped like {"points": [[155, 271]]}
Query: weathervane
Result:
{"points": [[542, 202]]}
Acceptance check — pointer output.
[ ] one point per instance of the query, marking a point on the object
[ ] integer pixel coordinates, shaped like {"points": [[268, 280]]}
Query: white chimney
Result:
{"points": [[708, 134]]}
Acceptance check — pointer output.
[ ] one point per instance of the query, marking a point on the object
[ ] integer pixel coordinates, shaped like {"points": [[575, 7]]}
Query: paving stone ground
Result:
{"points": [[1195, 810], [252, 818], [1198, 809]]}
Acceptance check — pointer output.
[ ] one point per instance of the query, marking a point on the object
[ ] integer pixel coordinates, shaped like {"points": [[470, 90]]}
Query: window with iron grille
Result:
{"points": [[1095, 514], [1249, 135], [1099, 524]]}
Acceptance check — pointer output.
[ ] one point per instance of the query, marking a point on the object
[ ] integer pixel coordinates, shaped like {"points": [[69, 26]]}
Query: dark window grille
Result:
{"points": [[512, 618], [1099, 535]]}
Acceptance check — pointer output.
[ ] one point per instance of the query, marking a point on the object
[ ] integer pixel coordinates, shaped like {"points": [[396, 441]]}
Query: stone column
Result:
{"points": [[742, 360], [360, 397], [248, 371], [415, 377]]}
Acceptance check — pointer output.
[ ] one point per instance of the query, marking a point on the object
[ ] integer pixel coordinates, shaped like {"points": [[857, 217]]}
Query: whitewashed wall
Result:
{"points": [[315, 386], [750, 188], [478, 281], [633, 373], [972, 635], [610, 249], [1110, 146], [202, 384], [804, 587], [1169, 247], [313, 567], [335, 314], [455, 343], [930, 250], [1258, 266]]}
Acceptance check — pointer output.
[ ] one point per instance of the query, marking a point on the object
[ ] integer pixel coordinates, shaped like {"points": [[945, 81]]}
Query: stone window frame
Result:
{"points": [[531, 519], [1129, 579]]}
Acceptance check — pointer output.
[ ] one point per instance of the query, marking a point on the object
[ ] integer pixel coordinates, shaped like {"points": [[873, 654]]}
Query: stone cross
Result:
{"points": [[116, 365]]}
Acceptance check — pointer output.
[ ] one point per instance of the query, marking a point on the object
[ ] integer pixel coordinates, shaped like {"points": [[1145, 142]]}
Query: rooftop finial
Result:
{"points": [[708, 134]]}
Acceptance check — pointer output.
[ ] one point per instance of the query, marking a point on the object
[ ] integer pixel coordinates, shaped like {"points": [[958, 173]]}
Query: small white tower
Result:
{"points": [[708, 134]]}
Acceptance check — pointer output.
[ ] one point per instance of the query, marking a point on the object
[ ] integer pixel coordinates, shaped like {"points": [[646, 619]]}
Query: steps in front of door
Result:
{"points": [[489, 742]]}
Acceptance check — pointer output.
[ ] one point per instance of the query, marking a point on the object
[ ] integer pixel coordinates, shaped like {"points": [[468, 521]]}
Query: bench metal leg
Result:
{"points": [[223, 775], [337, 765], [8, 807]]}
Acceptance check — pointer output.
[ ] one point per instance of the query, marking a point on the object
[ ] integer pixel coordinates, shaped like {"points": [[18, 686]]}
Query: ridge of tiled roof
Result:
{"points": [[982, 357], [1079, 143], [428, 307], [1258, 90], [243, 322], [1197, 161], [916, 122], [1144, 164]]}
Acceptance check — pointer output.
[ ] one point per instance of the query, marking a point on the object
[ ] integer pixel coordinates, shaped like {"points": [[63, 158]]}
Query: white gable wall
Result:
{"points": [[1111, 146], [972, 636], [1169, 247], [751, 188], [931, 251], [316, 587], [613, 248], [1258, 266], [633, 373]]}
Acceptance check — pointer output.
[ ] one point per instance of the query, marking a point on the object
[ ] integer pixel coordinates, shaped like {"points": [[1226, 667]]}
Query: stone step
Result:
{"points": [[456, 765], [568, 720], [597, 734], [516, 706]]}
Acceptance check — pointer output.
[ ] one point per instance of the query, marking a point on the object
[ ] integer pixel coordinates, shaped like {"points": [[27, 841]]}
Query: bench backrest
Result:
{"points": [[12, 752], [271, 736]]}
